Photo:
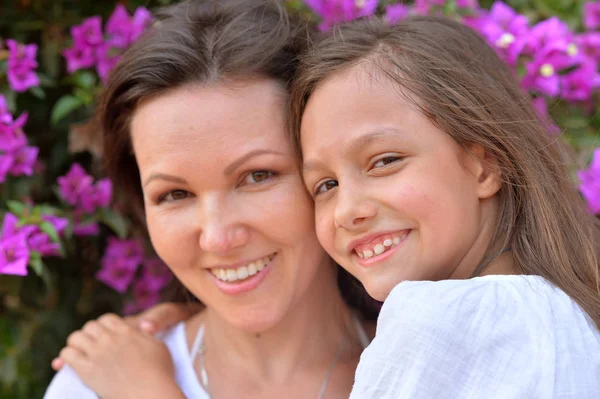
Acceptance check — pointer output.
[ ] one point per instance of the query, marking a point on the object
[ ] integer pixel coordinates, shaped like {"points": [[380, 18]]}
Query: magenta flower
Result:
{"points": [[118, 275], [590, 183], [86, 229], [107, 57], [589, 44], [74, 183], [119, 28], [396, 12], [42, 243], [102, 193], [336, 11], [155, 274], [580, 84], [88, 33], [79, 56], [14, 255], [21, 66], [591, 15], [10, 227], [142, 18], [545, 32], [24, 161], [144, 296], [543, 72], [6, 161]]}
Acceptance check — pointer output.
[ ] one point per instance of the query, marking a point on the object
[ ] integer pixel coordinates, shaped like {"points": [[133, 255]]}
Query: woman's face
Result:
{"points": [[225, 204]]}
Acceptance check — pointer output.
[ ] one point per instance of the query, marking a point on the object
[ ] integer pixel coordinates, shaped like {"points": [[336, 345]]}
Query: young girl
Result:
{"points": [[438, 188]]}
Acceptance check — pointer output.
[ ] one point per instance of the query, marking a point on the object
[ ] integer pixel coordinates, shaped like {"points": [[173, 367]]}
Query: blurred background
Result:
{"points": [[70, 252]]}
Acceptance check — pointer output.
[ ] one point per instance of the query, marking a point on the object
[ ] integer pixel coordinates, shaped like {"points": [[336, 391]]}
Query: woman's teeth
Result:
{"points": [[243, 272], [379, 246]]}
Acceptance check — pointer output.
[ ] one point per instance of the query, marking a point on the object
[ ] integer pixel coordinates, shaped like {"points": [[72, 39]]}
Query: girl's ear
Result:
{"points": [[486, 170]]}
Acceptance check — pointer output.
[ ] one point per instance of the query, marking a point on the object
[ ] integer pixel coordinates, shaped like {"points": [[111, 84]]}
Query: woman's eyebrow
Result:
{"points": [[246, 157], [164, 176]]}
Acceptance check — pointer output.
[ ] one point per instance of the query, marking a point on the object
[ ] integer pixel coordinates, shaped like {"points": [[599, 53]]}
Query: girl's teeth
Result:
{"points": [[243, 272], [378, 249], [252, 269]]}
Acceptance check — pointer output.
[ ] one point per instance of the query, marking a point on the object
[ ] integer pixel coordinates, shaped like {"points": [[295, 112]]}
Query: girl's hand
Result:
{"points": [[118, 361], [154, 320]]}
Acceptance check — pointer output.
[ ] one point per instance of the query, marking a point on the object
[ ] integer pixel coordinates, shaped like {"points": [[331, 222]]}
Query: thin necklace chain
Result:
{"points": [[321, 395]]}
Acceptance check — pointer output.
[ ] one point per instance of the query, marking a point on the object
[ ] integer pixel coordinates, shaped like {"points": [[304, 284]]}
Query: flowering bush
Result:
{"points": [[67, 250]]}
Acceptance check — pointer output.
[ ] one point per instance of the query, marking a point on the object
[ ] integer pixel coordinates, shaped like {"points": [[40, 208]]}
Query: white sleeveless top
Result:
{"points": [[493, 337], [66, 384]]}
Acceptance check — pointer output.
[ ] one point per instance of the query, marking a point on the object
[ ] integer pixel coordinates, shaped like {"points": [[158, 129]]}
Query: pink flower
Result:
{"points": [[336, 11], [21, 66], [88, 33], [74, 184], [396, 12], [14, 255], [120, 262], [24, 161], [79, 56], [156, 274], [590, 183], [591, 15]]}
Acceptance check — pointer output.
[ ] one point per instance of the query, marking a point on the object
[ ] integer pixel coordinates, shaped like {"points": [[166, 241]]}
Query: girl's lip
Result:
{"points": [[249, 284], [381, 257]]}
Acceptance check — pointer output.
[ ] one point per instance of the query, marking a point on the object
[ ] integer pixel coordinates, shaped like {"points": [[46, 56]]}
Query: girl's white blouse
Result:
{"points": [[488, 337]]}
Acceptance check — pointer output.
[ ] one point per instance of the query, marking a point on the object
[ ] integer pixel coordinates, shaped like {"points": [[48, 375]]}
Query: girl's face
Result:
{"points": [[225, 204], [395, 197]]}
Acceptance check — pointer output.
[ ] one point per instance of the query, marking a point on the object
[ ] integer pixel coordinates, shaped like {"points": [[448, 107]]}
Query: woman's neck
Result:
{"points": [[308, 335]]}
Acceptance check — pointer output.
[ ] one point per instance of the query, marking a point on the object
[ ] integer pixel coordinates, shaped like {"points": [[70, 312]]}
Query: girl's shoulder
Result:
{"points": [[485, 302], [493, 337]]}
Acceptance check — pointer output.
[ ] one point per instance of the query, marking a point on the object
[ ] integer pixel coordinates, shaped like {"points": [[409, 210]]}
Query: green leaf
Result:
{"points": [[64, 106], [35, 261], [49, 229], [115, 221], [38, 92], [85, 79], [15, 207]]}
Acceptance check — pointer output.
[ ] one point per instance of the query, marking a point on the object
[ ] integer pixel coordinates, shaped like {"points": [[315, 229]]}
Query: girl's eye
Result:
{"points": [[174, 195], [326, 186], [385, 161], [258, 176]]}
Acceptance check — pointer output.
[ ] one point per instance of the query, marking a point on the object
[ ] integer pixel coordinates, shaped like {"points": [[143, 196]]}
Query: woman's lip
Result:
{"points": [[249, 284], [378, 258]]}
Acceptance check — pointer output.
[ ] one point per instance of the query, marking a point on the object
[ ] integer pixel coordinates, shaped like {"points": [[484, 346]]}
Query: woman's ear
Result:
{"points": [[486, 169]]}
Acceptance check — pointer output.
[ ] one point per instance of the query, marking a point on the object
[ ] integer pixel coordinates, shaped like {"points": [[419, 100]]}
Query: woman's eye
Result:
{"points": [[385, 161], [258, 176], [326, 186], [174, 195]]}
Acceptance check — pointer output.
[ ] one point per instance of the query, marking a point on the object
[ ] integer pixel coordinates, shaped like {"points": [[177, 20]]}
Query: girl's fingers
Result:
{"points": [[95, 329], [162, 317], [76, 359], [57, 364], [113, 323], [81, 341]]}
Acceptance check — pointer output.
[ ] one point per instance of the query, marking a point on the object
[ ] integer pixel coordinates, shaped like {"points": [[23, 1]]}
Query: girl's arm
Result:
{"points": [[117, 361]]}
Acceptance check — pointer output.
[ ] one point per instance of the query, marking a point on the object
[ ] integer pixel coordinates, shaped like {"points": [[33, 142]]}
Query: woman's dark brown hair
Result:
{"points": [[198, 42], [450, 74]]}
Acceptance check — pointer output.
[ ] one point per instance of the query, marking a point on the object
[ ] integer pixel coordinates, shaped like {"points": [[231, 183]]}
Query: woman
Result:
{"points": [[195, 127]]}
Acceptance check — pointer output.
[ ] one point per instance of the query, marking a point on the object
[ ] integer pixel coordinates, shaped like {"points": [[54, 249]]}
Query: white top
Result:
{"points": [[489, 337], [67, 384]]}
